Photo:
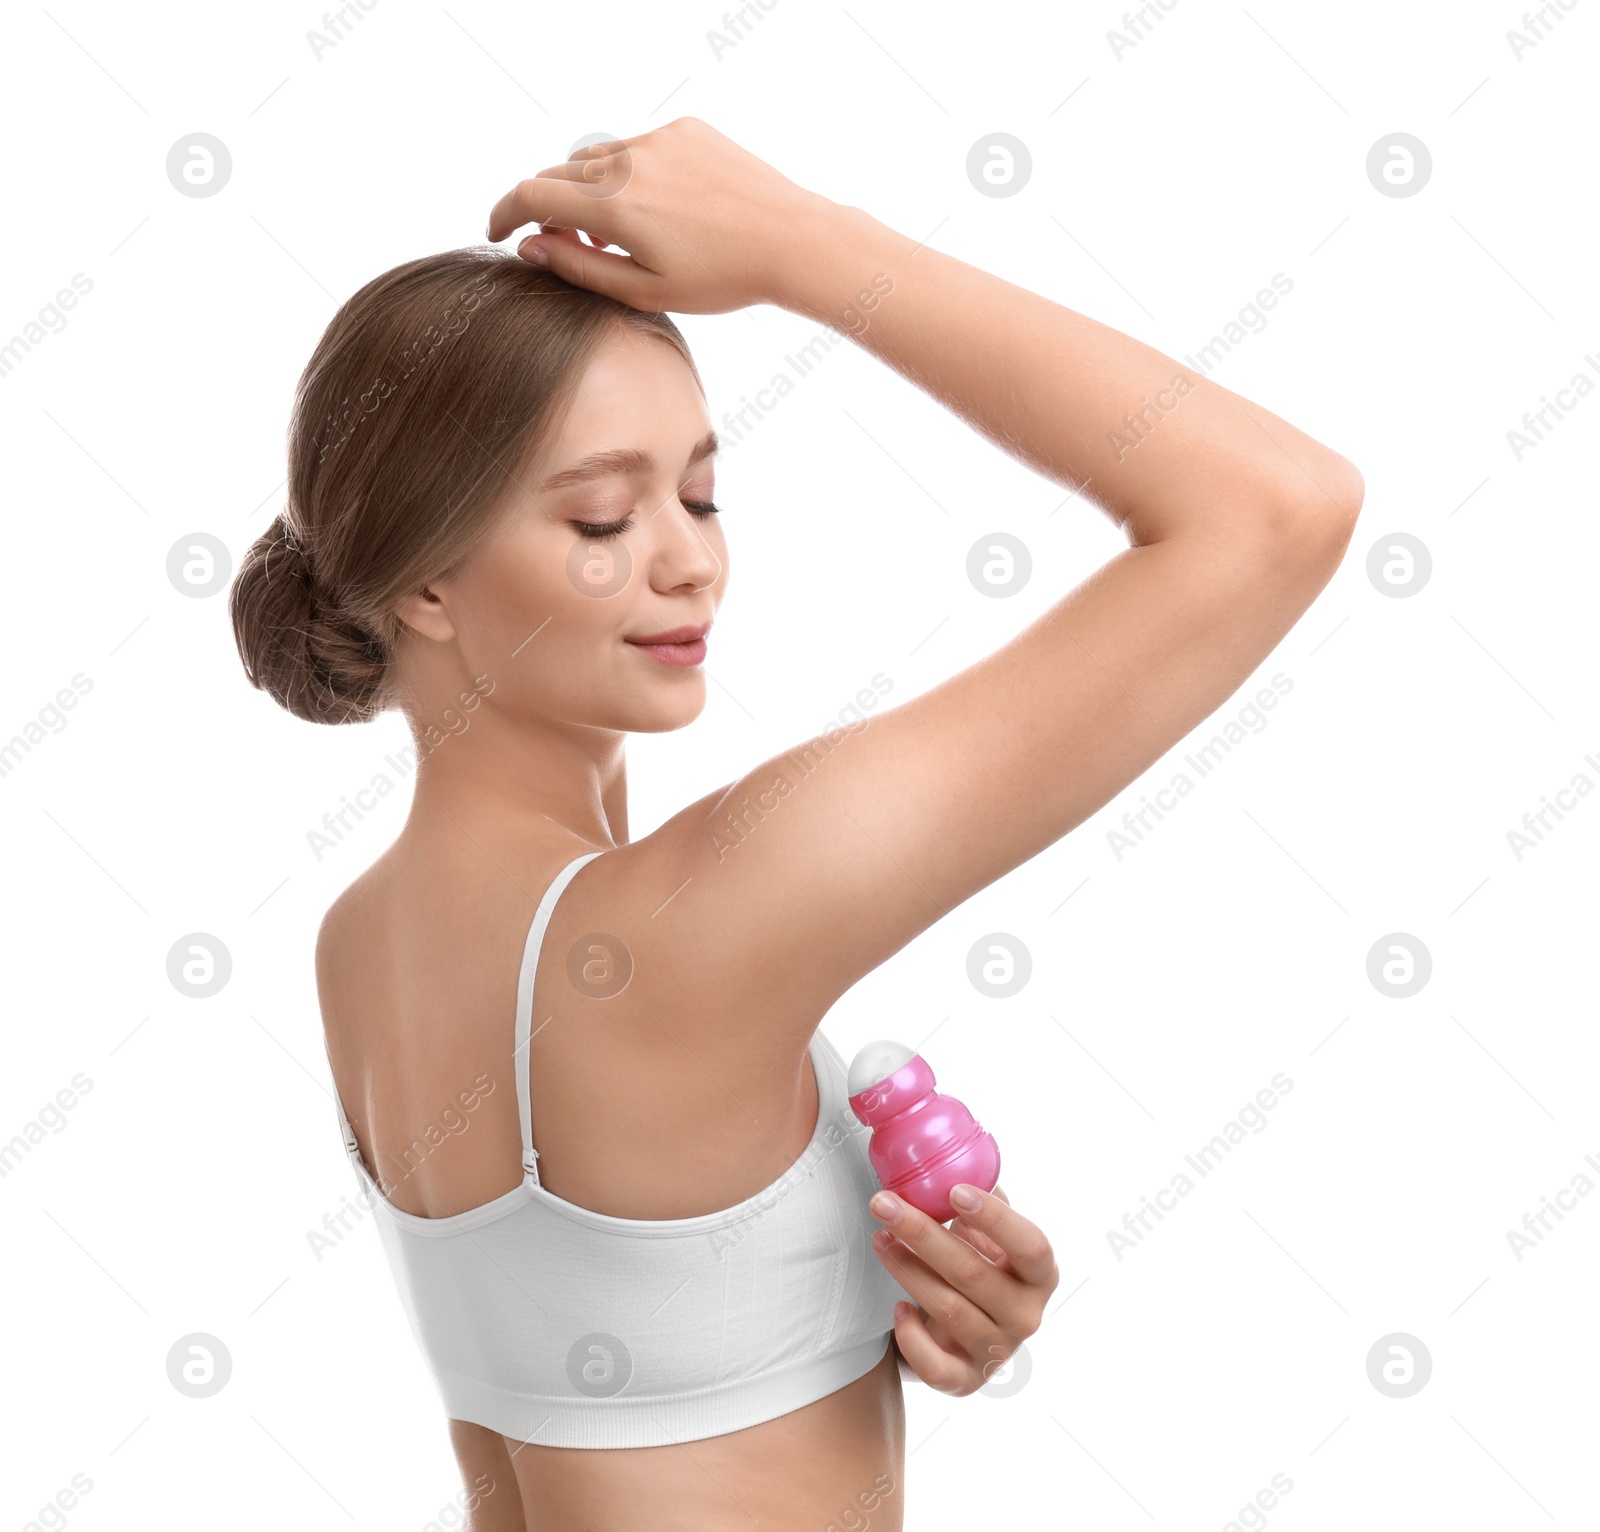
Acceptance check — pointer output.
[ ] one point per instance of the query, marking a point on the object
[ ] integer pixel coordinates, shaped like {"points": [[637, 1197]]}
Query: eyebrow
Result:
{"points": [[622, 460]]}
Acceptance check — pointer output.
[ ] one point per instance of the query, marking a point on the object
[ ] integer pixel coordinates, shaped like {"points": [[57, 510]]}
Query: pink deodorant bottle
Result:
{"points": [[923, 1143]]}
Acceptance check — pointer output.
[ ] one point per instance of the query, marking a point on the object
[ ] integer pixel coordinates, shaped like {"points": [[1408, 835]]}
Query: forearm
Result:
{"points": [[1161, 448]]}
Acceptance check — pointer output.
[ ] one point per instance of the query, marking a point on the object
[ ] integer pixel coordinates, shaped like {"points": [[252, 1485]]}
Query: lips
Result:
{"points": [[681, 648], [681, 635]]}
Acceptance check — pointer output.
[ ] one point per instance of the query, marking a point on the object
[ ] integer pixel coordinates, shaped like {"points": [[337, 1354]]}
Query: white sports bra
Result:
{"points": [[564, 1327]]}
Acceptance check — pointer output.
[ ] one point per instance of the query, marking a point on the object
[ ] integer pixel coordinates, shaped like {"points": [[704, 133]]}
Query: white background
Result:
{"points": [[1169, 985]]}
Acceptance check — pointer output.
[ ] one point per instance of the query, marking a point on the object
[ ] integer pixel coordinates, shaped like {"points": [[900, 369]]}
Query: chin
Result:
{"points": [[675, 712], [656, 710]]}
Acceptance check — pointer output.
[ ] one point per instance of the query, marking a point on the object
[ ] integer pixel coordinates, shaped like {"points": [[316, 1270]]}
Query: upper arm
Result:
{"points": [[808, 872]]}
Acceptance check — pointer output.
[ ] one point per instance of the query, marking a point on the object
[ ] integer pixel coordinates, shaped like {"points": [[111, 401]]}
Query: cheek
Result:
{"points": [[514, 599], [600, 573], [540, 618]]}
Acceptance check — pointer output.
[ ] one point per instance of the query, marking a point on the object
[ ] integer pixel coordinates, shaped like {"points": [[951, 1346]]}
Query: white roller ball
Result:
{"points": [[877, 1061]]}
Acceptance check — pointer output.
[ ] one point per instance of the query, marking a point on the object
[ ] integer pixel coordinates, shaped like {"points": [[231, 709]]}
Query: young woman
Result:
{"points": [[609, 1151]]}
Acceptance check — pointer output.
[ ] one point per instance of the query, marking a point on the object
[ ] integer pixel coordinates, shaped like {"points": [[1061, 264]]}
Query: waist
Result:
{"points": [[837, 1460]]}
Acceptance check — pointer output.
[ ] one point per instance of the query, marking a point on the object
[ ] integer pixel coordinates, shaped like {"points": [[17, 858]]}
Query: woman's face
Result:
{"points": [[551, 607]]}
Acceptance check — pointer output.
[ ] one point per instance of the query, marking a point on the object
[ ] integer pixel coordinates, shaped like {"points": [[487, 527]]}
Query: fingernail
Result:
{"points": [[885, 1206], [968, 1198], [532, 250], [488, 231], [882, 1240]]}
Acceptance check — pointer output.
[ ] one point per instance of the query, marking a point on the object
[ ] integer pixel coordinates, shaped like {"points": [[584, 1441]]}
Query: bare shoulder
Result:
{"points": [[416, 978], [701, 1084], [336, 935], [651, 922], [351, 940]]}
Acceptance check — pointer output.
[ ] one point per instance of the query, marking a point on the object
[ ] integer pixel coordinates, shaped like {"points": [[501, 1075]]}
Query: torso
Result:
{"points": [[417, 970], [838, 1462]]}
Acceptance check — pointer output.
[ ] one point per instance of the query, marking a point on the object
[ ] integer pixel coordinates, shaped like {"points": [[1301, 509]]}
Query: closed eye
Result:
{"points": [[600, 531]]}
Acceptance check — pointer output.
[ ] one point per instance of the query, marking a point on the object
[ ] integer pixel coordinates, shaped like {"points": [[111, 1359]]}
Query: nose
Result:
{"points": [[682, 555]]}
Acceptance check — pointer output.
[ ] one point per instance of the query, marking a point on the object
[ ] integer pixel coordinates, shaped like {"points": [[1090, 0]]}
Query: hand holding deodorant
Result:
{"points": [[923, 1142]]}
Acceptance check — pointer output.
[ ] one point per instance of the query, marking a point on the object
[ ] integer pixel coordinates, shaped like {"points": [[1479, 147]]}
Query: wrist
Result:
{"points": [[839, 266]]}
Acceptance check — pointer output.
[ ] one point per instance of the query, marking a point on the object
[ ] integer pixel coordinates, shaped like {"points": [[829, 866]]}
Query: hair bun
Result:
{"points": [[296, 644]]}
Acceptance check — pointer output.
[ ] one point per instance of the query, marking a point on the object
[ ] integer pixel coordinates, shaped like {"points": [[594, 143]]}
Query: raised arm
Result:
{"points": [[1235, 521]]}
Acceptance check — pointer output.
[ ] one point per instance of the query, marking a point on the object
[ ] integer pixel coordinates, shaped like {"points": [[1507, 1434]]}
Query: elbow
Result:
{"points": [[1321, 516]]}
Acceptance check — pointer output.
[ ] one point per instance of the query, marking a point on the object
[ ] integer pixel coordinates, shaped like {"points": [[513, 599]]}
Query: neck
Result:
{"points": [[489, 776]]}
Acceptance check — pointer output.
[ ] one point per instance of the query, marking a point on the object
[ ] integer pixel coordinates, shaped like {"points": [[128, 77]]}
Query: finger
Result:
{"points": [[984, 1356], [593, 241], [599, 241], [601, 171], [605, 167], [948, 1372], [600, 150], [960, 1266], [1027, 1250], [549, 232], [552, 197], [601, 271], [952, 1280], [581, 238], [959, 1315], [981, 1242], [956, 1321]]}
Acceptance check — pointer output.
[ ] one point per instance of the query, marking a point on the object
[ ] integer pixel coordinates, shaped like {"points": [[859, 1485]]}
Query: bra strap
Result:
{"points": [[530, 965], [350, 1143]]}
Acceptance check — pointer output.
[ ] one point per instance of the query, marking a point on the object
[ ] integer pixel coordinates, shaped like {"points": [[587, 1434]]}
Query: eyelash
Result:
{"points": [[602, 531]]}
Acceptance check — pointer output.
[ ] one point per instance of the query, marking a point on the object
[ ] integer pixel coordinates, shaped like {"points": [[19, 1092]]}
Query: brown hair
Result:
{"points": [[426, 395]]}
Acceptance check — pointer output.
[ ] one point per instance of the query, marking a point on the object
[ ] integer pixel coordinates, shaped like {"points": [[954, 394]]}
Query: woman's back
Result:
{"points": [[772, 1308], [417, 971]]}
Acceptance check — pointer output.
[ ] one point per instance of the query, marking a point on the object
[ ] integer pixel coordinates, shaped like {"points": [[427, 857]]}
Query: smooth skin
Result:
{"points": [[691, 1089]]}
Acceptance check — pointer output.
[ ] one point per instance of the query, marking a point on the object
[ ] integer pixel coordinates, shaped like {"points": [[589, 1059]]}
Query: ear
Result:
{"points": [[425, 612]]}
